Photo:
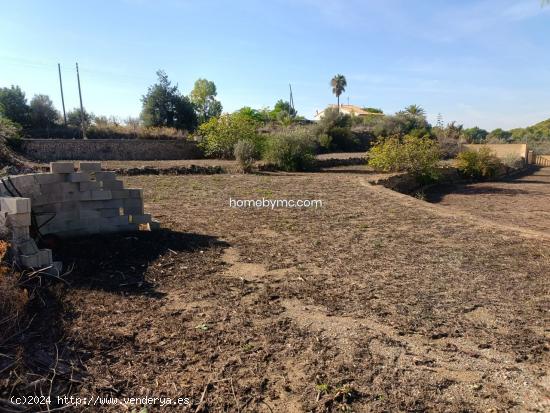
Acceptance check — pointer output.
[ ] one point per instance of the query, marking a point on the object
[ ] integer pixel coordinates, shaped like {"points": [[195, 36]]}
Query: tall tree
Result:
{"points": [[13, 105], [283, 108], [203, 96], [43, 113], [338, 84], [415, 110], [163, 105], [74, 118]]}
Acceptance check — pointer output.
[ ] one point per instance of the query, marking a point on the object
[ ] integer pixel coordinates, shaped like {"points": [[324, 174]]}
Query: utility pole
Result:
{"points": [[81, 107], [62, 97], [291, 97]]}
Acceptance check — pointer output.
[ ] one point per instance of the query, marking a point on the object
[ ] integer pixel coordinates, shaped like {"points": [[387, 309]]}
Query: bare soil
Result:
{"points": [[376, 302], [521, 202]]}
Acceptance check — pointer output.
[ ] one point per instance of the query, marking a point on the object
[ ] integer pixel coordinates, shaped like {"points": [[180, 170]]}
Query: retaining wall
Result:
{"points": [[501, 150], [47, 150]]}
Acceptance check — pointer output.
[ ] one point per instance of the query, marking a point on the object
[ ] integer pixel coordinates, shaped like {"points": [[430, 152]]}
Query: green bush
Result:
{"points": [[291, 150], [418, 156], [337, 126], [245, 153], [478, 164], [219, 135], [10, 133]]}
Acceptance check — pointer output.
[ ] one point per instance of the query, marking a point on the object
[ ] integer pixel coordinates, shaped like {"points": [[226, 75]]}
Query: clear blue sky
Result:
{"points": [[484, 62]]}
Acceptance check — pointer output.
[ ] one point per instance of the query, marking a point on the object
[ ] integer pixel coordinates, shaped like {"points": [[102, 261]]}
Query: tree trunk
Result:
{"points": [[338, 97]]}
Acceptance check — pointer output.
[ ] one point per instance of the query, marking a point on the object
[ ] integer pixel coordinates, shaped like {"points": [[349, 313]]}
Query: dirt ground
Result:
{"points": [[522, 202], [375, 302]]}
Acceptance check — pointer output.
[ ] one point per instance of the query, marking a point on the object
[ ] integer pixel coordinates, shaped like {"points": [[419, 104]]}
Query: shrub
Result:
{"points": [[512, 160], [478, 164], [418, 156], [219, 135], [245, 153], [337, 126], [10, 133], [291, 150]]}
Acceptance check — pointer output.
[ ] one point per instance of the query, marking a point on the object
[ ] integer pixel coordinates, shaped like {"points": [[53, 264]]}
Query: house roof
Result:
{"points": [[356, 110]]}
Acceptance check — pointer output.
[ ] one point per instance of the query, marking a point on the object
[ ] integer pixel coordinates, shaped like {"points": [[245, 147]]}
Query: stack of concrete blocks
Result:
{"points": [[15, 218], [73, 201]]}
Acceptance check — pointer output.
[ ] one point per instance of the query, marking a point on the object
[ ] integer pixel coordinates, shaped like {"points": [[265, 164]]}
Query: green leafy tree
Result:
{"points": [[163, 105], [475, 135], [74, 118], [252, 114], [339, 85], [478, 164], [373, 110], [282, 109], [13, 105], [291, 149], [418, 156], [203, 96], [219, 135], [499, 136], [43, 113]]}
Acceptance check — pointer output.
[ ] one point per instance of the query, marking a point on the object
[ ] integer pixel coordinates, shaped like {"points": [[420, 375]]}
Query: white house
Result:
{"points": [[351, 110]]}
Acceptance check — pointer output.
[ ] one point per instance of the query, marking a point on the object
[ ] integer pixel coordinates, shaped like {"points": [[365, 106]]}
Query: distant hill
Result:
{"points": [[539, 131]]}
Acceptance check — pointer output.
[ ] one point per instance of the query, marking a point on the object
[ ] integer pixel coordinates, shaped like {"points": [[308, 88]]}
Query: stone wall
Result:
{"points": [[47, 150]]}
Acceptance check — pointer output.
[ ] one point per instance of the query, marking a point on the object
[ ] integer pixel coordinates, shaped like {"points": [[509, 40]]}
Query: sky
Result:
{"points": [[480, 63]]}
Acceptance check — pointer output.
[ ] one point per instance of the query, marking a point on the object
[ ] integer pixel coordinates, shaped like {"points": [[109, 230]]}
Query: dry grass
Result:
{"points": [[12, 298]]}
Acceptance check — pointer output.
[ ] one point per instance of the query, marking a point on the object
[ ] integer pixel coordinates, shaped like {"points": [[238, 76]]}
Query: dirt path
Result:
{"points": [[523, 202]]}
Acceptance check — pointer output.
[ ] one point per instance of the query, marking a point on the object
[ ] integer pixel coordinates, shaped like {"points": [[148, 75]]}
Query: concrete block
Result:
{"points": [[85, 196], [49, 178], [90, 186], [90, 166], [15, 205], [23, 180], [18, 220], [117, 220], [132, 202], [109, 213], [122, 194], [70, 196], [105, 176], [154, 225], [87, 214], [27, 247], [140, 219], [20, 234], [129, 227], [66, 206], [45, 257], [79, 177], [101, 195], [29, 261], [62, 167], [55, 188], [136, 193], [114, 185]]}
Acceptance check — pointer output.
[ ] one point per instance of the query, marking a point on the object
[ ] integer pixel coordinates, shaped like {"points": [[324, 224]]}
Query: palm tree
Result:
{"points": [[415, 110], [338, 84]]}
